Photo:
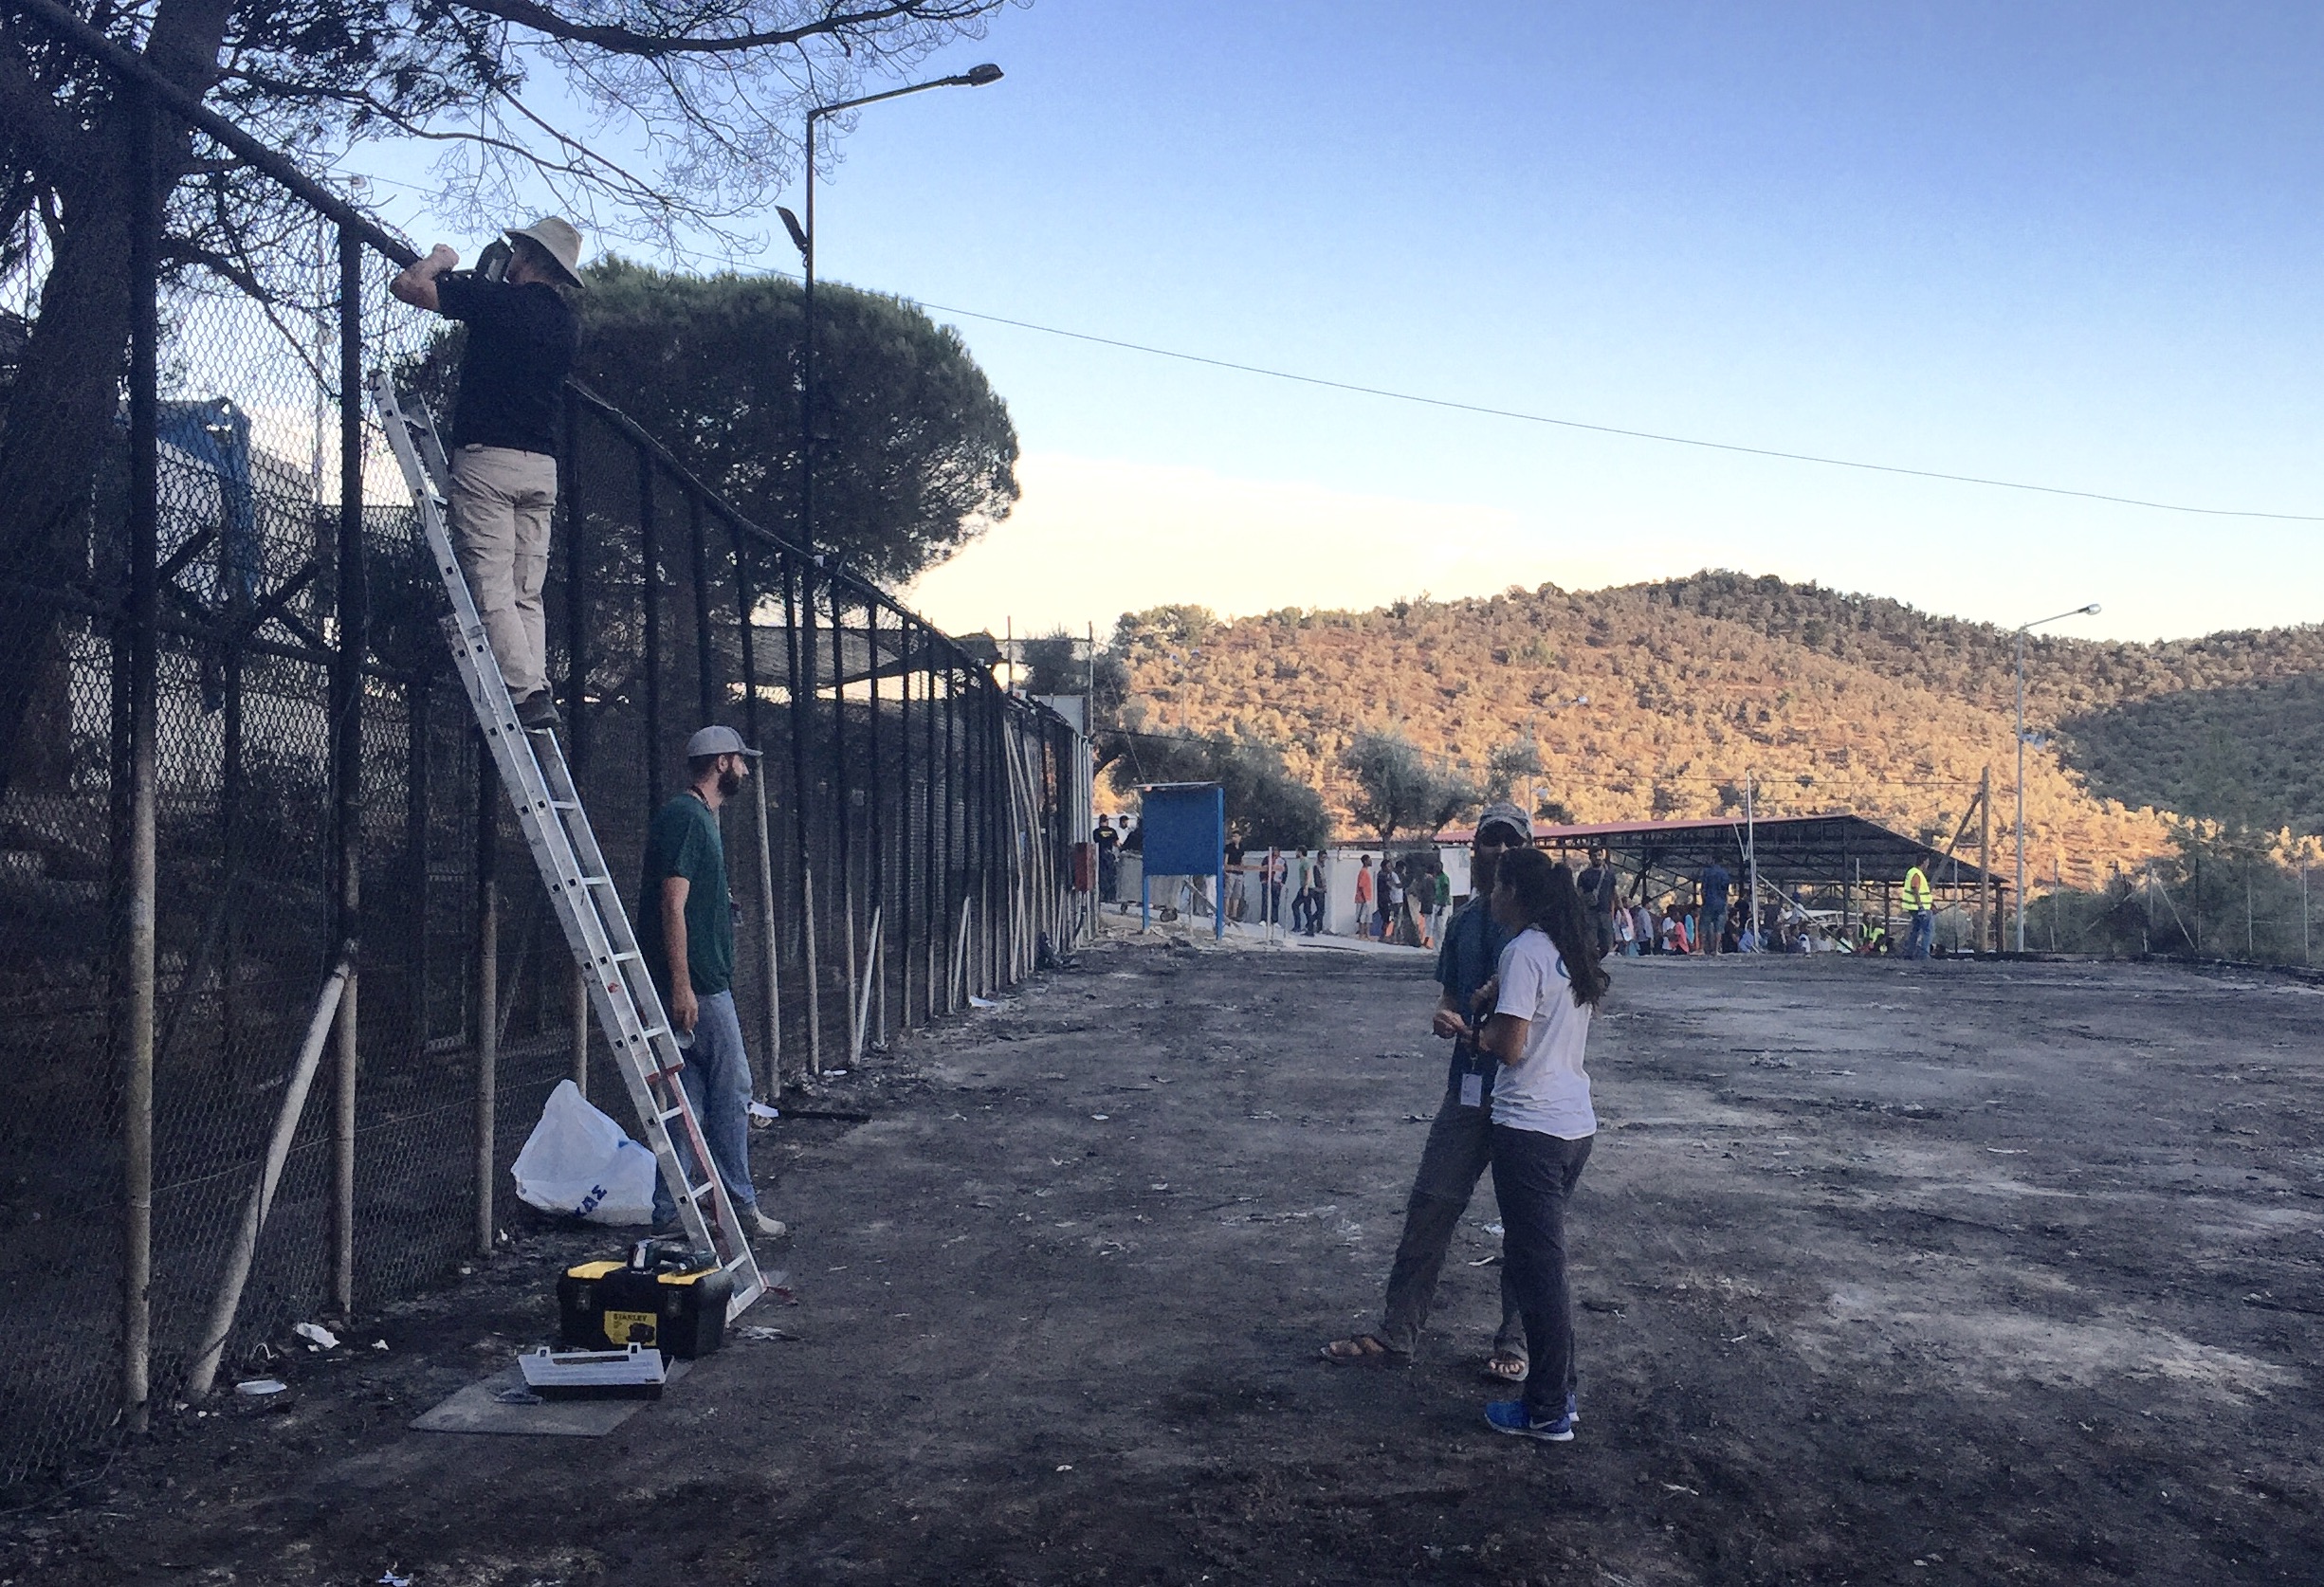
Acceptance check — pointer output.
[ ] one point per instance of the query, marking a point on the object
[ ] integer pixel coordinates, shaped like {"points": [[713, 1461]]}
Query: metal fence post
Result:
{"points": [[577, 702], [419, 712], [347, 753], [771, 1036], [143, 625], [945, 930], [875, 961], [651, 555], [488, 986], [800, 608], [843, 805], [706, 662], [905, 802], [931, 881]]}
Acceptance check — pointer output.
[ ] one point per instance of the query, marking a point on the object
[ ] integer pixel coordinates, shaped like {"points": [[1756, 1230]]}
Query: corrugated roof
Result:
{"points": [[1793, 850]]}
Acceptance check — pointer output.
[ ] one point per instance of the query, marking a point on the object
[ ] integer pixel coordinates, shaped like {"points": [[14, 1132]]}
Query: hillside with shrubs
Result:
{"points": [[1660, 700]]}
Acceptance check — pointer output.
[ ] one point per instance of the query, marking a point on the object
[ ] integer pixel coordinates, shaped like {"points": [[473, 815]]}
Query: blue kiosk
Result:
{"points": [[1184, 828]]}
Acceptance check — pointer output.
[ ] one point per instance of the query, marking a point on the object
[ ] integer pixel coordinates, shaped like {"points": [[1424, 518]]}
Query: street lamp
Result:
{"points": [[803, 237], [2078, 612]]}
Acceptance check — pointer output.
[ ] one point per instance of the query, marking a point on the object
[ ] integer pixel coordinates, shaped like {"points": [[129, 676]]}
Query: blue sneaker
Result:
{"points": [[1509, 1415]]}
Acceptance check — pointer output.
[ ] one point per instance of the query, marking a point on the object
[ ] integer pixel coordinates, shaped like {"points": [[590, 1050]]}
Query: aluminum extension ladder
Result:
{"points": [[581, 887]]}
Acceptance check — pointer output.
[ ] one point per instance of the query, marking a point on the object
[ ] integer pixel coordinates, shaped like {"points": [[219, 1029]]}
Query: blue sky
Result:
{"points": [[2068, 244]]}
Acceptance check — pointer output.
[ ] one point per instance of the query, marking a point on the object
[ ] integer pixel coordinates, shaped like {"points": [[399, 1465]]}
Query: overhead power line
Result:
{"points": [[1665, 439]]}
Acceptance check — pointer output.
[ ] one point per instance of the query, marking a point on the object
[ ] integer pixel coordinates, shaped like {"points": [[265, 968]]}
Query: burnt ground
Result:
{"points": [[1941, 1273]]}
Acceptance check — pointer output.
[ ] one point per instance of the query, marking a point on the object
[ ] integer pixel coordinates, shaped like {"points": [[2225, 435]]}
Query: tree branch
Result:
{"points": [[835, 23], [28, 107]]}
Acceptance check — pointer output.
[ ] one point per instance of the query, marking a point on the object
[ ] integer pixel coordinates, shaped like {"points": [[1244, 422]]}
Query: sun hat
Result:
{"points": [[717, 741], [556, 236]]}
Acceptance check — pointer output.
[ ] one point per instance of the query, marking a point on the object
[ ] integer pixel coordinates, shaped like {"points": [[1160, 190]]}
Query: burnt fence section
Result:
{"points": [[236, 743]]}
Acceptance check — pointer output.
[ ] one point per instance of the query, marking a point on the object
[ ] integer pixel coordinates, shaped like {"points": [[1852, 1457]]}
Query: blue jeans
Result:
{"points": [[717, 1082], [1923, 934]]}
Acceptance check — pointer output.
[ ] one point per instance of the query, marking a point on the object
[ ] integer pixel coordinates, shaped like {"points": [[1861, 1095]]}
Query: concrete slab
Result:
{"points": [[476, 1409]]}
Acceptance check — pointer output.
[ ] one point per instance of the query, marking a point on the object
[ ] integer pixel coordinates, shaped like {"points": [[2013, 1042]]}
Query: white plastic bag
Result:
{"points": [[578, 1162]]}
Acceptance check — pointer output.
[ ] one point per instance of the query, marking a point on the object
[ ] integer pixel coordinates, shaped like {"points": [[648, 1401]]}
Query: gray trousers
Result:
{"points": [[1460, 1150], [717, 1082], [500, 501]]}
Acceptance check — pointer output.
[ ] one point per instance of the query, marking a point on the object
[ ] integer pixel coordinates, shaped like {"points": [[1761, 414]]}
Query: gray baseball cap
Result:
{"points": [[1503, 813], [717, 741]]}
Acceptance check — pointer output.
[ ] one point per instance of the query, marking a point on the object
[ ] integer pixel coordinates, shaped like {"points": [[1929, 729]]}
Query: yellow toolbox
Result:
{"points": [[667, 1296]]}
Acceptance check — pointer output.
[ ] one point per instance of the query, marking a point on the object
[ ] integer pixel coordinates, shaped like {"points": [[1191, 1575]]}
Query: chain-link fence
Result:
{"points": [[232, 739]]}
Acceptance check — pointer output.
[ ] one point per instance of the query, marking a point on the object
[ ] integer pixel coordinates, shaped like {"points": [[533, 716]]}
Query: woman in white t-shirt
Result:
{"points": [[1541, 1121]]}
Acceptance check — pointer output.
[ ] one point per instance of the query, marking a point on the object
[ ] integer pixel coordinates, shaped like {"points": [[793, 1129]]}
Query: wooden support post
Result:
{"points": [[347, 754], [141, 679], [1988, 895]]}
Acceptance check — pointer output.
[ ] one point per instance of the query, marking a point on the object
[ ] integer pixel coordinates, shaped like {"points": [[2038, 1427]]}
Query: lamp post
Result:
{"points": [[2022, 630], [803, 237]]}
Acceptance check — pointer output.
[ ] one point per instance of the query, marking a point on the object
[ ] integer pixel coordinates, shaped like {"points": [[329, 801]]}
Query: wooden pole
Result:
{"points": [[347, 754], [142, 680], [238, 1260], [772, 1037], [1988, 895]]}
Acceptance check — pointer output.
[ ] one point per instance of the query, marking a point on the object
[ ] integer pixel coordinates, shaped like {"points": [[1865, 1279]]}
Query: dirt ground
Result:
{"points": [[1886, 1273]]}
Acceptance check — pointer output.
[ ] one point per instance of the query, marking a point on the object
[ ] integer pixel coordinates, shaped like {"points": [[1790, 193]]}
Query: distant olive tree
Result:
{"points": [[1397, 789], [1507, 764], [1266, 803]]}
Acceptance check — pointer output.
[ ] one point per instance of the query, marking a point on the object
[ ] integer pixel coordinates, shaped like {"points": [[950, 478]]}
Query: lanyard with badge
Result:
{"points": [[1471, 1051], [1473, 1056]]}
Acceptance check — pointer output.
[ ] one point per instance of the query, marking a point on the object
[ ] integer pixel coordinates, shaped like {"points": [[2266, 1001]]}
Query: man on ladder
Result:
{"points": [[686, 929], [522, 336]]}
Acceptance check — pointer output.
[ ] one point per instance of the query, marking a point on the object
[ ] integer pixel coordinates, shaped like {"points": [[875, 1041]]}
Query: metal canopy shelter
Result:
{"points": [[1858, 859]]}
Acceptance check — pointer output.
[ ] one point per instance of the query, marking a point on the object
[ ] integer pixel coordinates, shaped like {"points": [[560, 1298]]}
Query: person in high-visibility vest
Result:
{"points": [[1920, 902]]}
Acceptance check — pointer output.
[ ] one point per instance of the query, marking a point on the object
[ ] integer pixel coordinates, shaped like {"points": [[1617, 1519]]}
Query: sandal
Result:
{"points": [[1506, 1366], [1363, 1348]]}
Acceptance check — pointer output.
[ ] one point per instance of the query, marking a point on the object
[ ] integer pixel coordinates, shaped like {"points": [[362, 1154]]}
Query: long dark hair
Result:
{"points": [[1549, 900]]}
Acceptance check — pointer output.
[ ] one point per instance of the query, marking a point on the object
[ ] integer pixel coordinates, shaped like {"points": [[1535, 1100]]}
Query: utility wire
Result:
{"points": [[1617, 430]]}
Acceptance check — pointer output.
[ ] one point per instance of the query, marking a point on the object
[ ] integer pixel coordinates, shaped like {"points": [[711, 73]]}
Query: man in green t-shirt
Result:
{"points": [[686, 919]]}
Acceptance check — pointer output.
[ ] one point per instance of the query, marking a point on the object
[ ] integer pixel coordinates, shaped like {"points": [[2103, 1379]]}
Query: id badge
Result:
{"points": [[1472, 1090]]}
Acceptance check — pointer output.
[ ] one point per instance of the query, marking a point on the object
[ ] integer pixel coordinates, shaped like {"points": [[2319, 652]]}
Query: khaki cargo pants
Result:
{"points": [[502, 498]]}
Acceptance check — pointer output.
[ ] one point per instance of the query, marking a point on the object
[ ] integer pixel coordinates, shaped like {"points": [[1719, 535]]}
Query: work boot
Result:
{"points": [[536, 712], [762, 1226]]}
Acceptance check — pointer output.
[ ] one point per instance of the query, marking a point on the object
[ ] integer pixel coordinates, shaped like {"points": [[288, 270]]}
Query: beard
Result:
{"points": [[729, 783], [1481, 871]]}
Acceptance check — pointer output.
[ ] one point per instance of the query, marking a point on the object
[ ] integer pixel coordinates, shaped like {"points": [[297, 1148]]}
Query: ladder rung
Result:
{"points": [[695, 1193], [672, 1113], [564, 804]]}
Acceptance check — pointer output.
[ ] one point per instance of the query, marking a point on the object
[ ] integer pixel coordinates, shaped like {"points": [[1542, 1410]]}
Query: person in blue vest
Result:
{"points": [[686, 931], [1460, 1145]]}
